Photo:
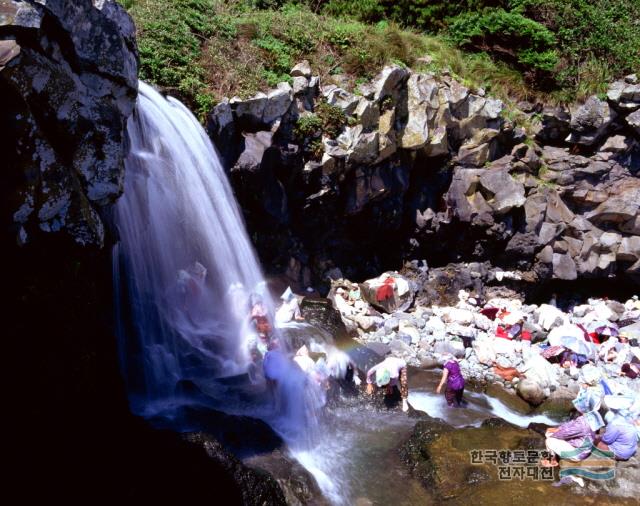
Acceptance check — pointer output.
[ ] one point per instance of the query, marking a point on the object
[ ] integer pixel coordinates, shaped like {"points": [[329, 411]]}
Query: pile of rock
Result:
{"points": [[423, 334]]}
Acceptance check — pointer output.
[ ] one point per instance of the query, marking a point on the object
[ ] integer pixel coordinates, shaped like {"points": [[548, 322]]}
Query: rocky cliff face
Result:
{"points": [[419, 166], [68, 82]]}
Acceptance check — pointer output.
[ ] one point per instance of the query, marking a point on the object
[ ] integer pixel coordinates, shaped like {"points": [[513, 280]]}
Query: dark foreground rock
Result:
{"points": [[297, 484]]}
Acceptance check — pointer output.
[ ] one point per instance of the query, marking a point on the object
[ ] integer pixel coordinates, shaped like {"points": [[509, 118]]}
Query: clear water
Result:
{"points": [[479, 407]]}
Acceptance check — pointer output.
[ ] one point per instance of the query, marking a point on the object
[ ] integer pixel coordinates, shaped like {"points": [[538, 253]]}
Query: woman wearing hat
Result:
{"points": [[390, 372], [574, 439]]}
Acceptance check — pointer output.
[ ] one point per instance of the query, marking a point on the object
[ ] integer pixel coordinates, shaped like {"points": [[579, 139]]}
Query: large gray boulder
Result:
{"points": [[555, 125], [403, 293], [590, 122], [625, 95], [633, 120], [505, 192], [68, 75], [389, 82], [422, 105]]}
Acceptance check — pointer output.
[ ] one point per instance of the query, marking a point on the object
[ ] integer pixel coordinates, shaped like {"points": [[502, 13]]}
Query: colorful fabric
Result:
{"points": [[565, 450], [385, 291], [628, 371], [393, 365], [552, 351], [490, 312], [501, 332], [578, 434], [455, 380], [622, 438], [589, 399]]}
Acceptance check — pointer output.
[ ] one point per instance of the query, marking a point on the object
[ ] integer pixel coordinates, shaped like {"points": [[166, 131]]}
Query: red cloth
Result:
{"points": [[386, 290], [262, 324], [526, 336], [594, 338], [501, 332], [490, 312]]}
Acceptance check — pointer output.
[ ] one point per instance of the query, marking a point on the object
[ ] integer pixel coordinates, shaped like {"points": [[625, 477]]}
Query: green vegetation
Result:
{"points": [[327, 120], [203, 50], [597, 41], [509, 35], [308, 126], [332, 118]]}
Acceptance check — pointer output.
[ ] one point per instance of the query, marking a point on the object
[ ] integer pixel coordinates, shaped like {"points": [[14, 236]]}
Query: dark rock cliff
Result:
{"points": [[68, 83], [418, 166]]}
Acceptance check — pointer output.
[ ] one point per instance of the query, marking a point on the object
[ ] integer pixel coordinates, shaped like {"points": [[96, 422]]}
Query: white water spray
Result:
{"points": [[184, 270]]}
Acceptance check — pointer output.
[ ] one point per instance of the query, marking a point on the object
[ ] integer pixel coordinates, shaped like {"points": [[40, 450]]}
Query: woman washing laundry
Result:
{"points": [[574, 439], [290, 308], [452, 376], [391, 372]]}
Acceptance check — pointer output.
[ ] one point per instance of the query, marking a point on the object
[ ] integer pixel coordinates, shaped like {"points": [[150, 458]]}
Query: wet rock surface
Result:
{"points": [[298, 485]]}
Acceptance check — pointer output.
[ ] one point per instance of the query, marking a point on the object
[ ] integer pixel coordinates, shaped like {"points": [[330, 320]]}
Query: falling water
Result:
{"points": [[184, 270], [176, 218]]}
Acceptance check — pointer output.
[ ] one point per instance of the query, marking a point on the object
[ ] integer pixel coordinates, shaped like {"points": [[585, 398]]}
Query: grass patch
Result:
{"points": [[203, 50]]}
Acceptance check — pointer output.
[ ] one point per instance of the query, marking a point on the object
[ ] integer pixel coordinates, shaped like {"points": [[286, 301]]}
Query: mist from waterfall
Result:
{"points": [[184, 273]]}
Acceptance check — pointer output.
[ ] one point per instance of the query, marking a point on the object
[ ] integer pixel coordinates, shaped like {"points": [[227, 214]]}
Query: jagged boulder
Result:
{"points": [[625, 95], [555, 125], [389, 292], [389, 82], [590, 122], [423, 161], [422, 105], [633, 120], [68, 79]]}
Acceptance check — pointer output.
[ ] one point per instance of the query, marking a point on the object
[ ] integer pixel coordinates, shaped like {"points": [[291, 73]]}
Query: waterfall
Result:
{"points": [[184, 267], [184, 274]]}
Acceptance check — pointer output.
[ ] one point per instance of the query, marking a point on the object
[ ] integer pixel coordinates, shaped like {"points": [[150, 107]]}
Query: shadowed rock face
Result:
{"points": [[68, 82], [423, 167]]}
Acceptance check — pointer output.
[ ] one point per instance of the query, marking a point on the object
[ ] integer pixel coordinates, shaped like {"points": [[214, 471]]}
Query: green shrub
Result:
{"points": [[308, 126], [507, 35], [364, 10], [598, 40], [332, 119], [169, 42]]}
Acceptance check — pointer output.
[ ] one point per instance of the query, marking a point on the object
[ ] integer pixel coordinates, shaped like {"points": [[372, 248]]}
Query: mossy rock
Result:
{"points": [[440, 457]]}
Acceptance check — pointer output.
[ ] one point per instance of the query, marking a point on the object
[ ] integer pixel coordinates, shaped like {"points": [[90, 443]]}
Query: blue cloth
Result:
{"points": [[275, 365], [605, 387], [622, 438]]}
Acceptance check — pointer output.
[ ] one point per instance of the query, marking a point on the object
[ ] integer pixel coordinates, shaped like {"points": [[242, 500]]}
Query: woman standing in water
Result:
{"points": [[455, 382]]}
